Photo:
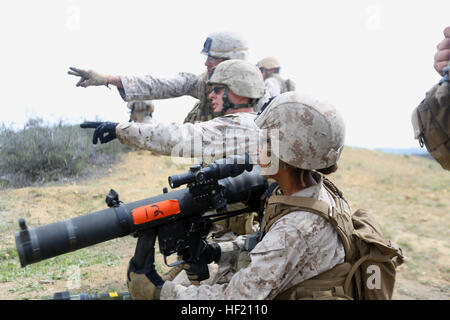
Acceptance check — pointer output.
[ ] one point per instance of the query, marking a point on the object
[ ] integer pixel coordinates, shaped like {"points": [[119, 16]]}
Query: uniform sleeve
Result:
{"points": [[286, 256], [231, 249], [254, 282], [209, 140], [150, 88]]}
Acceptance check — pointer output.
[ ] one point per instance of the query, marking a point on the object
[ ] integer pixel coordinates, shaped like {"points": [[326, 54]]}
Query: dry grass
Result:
{"points": [[408, 195]]}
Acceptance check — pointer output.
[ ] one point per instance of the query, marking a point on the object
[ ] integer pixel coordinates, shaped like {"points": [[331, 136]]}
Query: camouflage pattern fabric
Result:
{"points": [[203, 109], [318, 126], [150, 88], [287, 255], [205, 141]]}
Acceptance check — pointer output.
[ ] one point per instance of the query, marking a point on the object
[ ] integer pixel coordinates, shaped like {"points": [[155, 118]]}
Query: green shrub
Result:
{"points": [[41, 153]]}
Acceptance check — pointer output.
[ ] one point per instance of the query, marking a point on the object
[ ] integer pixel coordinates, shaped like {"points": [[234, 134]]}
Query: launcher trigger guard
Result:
{"points": [[173, 264]]}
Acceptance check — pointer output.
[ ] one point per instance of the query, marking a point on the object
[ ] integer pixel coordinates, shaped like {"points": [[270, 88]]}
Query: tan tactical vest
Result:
{"points": [[365, 250], [203, 109]]}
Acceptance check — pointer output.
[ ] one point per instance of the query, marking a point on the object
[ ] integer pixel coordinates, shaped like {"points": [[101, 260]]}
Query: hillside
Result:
{"points": [[409, 196]]}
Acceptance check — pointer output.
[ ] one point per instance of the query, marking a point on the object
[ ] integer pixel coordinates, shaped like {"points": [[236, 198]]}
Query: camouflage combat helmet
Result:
{"points": [[310, 132], [141, 110], [141, 105], [226, 45], [241, 77], [268, 63]]}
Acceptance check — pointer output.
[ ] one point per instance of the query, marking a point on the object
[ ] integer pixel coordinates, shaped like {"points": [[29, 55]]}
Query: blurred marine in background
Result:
{"points": [[274, 83], [141, 111]]}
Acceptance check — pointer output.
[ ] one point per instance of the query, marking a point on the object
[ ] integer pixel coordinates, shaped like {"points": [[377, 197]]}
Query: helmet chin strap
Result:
{"points": [[227, 104]]}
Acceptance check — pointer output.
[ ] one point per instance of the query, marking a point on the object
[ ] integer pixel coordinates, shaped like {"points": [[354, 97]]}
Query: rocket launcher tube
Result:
{"points": [[47, 241], [54, 239]]}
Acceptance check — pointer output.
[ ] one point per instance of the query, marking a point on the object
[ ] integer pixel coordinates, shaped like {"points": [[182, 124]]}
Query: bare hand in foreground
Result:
{"points": [[442, 56]]}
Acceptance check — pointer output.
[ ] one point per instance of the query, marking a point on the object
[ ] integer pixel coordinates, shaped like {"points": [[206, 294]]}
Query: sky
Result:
{"points": [[372, 59]]}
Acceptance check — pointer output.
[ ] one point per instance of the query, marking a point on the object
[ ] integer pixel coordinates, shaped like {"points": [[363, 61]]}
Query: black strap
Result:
{"points": [[265, 106], [270, 190], [144, 257], [267, 194]]}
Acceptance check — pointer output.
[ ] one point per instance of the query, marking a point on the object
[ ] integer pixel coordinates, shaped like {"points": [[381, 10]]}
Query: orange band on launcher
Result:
{"points": [[155, 211]]}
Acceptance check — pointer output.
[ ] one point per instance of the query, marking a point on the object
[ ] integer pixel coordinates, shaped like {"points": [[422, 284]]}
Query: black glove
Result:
{"points": [[212, 252], [144, 283], [144, 258], [196, 271], [105, 131], [143, 280]]}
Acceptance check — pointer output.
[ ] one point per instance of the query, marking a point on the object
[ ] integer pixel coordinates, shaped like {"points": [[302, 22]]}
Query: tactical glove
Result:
{"points": [[88, 77], [192, 271], [172, 273], [210, 254], [144, 283], [141, 287], [104, 131]]}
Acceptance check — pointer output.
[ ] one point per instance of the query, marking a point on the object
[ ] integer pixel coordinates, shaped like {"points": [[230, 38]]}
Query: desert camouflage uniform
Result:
{"points": [[205, 141], [150, 88], [298, 246]]}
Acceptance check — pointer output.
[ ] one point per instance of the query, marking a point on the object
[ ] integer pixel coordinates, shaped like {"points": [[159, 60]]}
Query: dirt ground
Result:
{"points": [[408, 195]]}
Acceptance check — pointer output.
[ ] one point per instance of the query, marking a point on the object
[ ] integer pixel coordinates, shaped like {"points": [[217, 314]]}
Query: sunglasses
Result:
{"points": [[217, 90], [212, 59]]}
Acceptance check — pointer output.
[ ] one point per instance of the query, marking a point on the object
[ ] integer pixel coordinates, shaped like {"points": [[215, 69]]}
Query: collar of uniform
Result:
{"points": [[250, 114], [313, 191]]}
